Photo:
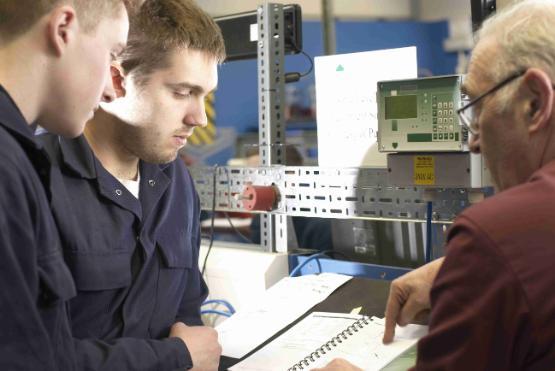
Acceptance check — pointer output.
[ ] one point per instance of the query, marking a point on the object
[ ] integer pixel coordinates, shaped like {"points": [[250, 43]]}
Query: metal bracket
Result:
{"points": [[351, 193]]}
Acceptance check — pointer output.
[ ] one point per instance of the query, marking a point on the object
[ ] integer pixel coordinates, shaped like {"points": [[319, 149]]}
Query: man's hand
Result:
{"points": [[202, 343], [409, 298], [338, 364]]}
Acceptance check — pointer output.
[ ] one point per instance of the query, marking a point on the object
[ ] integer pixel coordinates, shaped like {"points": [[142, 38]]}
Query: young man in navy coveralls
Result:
{"points": [[133, 244], [54, 69]]}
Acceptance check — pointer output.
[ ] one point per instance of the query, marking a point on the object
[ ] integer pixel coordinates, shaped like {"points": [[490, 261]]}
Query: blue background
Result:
{"points": [[236, 99]]}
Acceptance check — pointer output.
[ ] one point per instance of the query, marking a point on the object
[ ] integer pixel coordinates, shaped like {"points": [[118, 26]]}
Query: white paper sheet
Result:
{"points": [[363, 348], [346, 108], [283, 303]]}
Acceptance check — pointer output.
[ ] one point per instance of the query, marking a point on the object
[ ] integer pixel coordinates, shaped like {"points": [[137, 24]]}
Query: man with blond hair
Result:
{"points": [[54, 59], [133, 244], [492, 302]]}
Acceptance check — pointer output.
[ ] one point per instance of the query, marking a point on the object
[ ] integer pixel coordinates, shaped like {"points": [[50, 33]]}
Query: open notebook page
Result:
{"points": [[363, 348]]}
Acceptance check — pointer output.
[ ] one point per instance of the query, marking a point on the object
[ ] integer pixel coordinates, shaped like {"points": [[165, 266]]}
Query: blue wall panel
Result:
{"points": [[236, 98]]}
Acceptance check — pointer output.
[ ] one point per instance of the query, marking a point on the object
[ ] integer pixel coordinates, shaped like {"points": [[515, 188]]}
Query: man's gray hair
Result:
{"points": [[525, 35]]}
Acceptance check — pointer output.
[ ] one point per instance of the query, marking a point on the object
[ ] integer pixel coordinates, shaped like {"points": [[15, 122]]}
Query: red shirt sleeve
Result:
{"points": [[480, 318]]}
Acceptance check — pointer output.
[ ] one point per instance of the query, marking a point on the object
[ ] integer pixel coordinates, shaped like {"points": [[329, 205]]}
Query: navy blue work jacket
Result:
{"points": [[134, 261], [35, 283]]}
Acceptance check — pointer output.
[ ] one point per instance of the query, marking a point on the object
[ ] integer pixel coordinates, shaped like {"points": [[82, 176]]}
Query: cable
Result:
{"points": [[296, 76], [214, 311], [220, 301], [212, 222], [429, 233], [214, 179], [313, 257], [307, 56], [311, 64], [248, 240], [310, 258], [238, 232]]}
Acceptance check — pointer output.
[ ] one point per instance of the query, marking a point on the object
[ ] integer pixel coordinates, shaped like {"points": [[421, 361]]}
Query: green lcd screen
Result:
{"points": [[400, 107]]}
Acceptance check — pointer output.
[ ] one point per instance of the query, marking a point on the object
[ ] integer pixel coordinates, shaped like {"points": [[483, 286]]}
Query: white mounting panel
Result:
{"points": [[342, 193]]}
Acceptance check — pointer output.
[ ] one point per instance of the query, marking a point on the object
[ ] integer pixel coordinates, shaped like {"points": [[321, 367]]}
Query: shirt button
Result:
{"points": [[152, 183], [119, 192]]}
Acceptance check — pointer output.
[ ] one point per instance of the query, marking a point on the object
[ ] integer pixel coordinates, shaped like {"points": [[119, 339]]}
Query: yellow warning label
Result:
{"points": [[207, 134], [424, 170]]}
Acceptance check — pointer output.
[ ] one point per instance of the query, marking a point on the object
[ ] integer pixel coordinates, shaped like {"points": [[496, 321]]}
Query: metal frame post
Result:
{"points": [[271, 110]]}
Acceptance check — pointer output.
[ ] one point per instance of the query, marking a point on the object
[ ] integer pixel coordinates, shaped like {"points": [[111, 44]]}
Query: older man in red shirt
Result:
{"points": [[492, 306]]}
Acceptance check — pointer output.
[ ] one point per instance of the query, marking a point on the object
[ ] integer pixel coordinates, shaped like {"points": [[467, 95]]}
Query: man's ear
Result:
{"points": [[539, 99], [118, 79], [62, 28]]}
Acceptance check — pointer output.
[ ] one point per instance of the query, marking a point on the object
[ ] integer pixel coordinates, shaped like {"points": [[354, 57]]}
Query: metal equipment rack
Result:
{"points": [[365, 193]]}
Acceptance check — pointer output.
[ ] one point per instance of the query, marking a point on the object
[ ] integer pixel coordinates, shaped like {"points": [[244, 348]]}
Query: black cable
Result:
{"points": [[212, 221], [311, 64], [248, 240], [214, 216], [296, 76]]}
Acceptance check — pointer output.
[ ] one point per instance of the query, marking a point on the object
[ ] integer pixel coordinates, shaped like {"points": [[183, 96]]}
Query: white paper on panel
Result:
{"points": [[346, 109]]}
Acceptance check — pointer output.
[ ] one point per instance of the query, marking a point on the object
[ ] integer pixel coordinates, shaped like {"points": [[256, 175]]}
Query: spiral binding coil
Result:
{"points": [[328, 346]]}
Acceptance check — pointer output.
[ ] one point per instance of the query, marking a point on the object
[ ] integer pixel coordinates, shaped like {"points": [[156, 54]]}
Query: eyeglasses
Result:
{"points": [[466, 112]]}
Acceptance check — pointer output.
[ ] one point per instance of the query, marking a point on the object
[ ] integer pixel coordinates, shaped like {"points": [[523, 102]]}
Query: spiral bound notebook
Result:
{"points": [[321, 337]]}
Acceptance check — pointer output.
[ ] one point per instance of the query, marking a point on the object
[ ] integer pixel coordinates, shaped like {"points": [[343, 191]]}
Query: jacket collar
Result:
{"points": [[12, 119], [78, 156]]}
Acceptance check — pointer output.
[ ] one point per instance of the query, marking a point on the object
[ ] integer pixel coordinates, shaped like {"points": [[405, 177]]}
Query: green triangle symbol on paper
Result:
{"points": [[340, 68]]}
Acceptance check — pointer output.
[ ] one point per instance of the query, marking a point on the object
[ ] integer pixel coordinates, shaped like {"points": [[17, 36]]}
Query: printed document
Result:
{"points": [[281, 304]]}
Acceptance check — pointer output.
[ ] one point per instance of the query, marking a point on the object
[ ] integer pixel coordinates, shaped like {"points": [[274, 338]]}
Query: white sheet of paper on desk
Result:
{"points": [[346, 108], [363, 348], [282, 304]]}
